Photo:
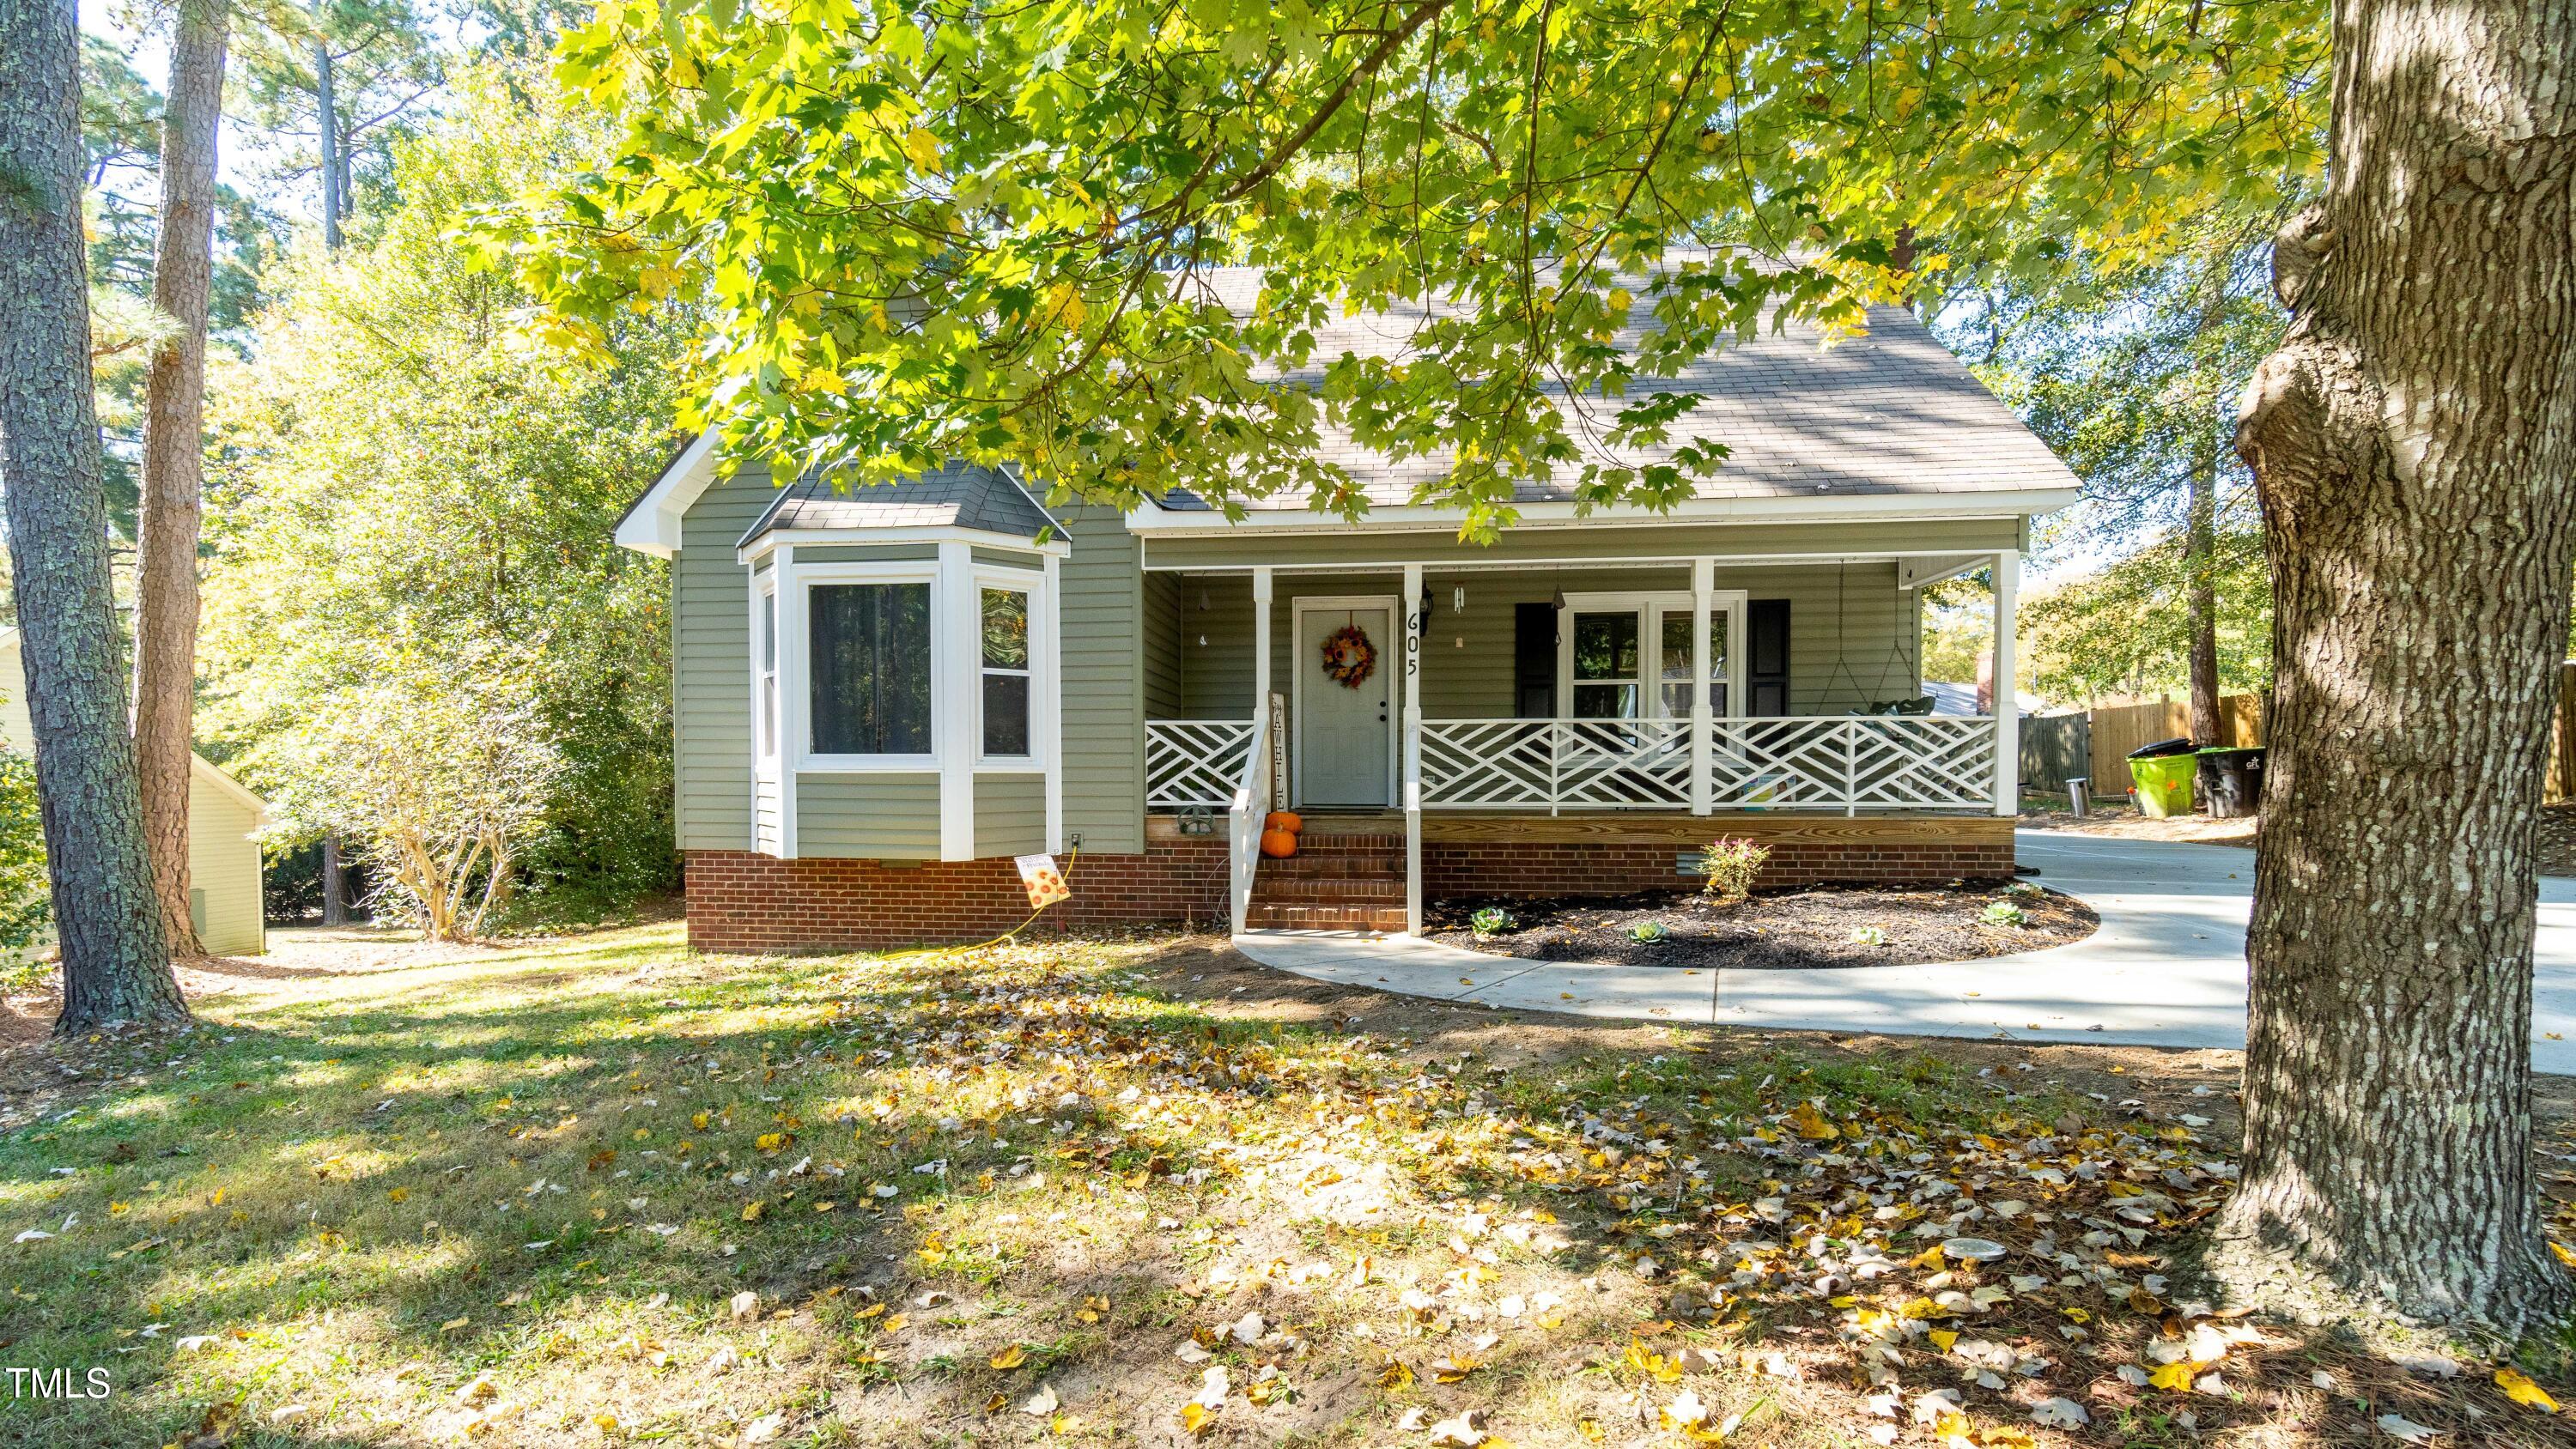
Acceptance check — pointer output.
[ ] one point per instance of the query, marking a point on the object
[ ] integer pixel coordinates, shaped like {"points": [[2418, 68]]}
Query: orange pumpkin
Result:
{"points": [[1278, 844], [1283, 820]]}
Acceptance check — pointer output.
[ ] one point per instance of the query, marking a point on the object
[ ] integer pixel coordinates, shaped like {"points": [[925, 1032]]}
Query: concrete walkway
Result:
{"points": [[2167, 968]]}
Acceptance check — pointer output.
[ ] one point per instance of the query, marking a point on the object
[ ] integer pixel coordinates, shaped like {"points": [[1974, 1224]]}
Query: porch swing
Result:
{"points": [[1895, 664]]}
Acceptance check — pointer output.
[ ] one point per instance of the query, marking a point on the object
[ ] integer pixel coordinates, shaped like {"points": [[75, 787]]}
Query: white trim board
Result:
{"points": [[652, 522], [1807, 508]]}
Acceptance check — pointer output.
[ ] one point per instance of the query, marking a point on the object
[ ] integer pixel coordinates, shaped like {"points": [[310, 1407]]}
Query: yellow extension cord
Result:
{"points": [[1074, 855]]}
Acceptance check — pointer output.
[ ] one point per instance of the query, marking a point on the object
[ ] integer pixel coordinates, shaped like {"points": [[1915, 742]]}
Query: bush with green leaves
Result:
{"points": [[1869, 936], [26, 907], [1729, 864], [411, 509], [1493, 921], [1647, 933], [2004, 913]]}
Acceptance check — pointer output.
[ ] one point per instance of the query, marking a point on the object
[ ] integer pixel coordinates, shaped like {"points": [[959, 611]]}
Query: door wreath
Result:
{"points": [[1349, 657]]}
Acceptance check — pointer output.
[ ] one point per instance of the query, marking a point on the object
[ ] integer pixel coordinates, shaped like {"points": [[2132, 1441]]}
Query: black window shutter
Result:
{"points": [[1534, 660], [1766, 639]]}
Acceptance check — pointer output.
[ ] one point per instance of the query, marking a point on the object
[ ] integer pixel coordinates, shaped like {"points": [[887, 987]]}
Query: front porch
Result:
{"points": [[1553, 729]]}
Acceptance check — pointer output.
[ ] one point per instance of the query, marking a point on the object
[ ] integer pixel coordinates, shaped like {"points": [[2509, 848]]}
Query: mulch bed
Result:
{"points": [[1780, 930]]}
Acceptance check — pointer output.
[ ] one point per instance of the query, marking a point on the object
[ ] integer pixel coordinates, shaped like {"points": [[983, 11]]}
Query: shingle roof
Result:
{"points": [[1888, 412], [961, 495]]}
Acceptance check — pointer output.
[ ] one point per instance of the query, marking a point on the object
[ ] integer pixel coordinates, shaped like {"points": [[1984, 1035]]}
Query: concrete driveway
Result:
{"points": [[2167, 968]]}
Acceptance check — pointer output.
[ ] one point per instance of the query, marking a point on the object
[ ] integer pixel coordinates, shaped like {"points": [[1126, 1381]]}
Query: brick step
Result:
{"points": [[1321, 837], [1323, 867], [1302, 916], [1267, 887]]}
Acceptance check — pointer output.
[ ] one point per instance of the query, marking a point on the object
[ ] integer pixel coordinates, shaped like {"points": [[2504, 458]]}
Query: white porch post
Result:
{"points": [[1051, 701], [2007, 712], [1413, 623], [1703, 752], [1261, 648], [956, 675]]}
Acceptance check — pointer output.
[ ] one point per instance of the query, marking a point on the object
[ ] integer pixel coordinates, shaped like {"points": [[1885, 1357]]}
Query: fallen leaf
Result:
{"points": [[2518, 1387]]}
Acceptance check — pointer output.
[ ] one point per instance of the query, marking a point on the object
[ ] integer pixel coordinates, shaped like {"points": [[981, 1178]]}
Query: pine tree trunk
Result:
{"points": [[2200, 594], [114, 963], [327, 127], [165, 591], [335, 888], [2413, 441]]}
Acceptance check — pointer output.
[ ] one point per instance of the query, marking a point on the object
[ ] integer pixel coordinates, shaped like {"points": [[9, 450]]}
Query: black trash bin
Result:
{"points": [[2175, 746], [2231, 782]]}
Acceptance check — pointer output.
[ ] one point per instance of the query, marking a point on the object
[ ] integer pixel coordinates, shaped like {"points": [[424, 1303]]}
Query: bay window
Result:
{"points": [[870, 668]]}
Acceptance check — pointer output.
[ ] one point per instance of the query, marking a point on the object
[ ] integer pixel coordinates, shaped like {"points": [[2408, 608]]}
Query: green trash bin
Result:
{"points": [[2164, 784]]}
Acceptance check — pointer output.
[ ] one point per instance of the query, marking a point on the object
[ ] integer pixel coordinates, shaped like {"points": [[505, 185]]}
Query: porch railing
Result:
{"points": [[1195, 761], [1848, 763]]}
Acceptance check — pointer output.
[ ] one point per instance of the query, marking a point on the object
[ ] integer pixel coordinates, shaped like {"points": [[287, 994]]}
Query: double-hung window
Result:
{"points": [[869, 653], [1002, 696], [764, 693]]}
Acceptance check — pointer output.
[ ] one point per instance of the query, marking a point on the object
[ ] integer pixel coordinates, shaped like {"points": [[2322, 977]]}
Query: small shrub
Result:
{"points": [[1492, 921], [1730, 863], [2004, 913], [1868, 936], [1647, 933], [2026, 889]]}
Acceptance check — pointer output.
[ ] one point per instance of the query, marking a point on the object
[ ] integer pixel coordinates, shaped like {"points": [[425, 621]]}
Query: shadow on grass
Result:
{"points": [[392, 1162]]}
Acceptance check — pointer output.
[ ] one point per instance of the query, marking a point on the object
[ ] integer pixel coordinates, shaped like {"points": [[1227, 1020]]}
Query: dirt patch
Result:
{"points": [[1827, 926], [2124, 823]]}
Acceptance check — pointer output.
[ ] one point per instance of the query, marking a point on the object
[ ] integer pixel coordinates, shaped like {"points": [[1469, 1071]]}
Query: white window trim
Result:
{"points": [[768, 692], [800, 582], [1032, 585], [1650, 609]]}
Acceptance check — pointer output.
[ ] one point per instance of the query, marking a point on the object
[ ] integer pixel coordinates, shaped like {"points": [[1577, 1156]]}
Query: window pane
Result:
{"points": [[768, 634], [1677, 647], [1006, 629], [1676, 700], [871, 653], [1605, 646], [1605, 701], [1006, 714], [1717, 666], [768, 715]]}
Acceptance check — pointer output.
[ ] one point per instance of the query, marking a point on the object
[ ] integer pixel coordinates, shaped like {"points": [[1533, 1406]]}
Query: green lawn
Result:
{"points": [[1051, 1192]]}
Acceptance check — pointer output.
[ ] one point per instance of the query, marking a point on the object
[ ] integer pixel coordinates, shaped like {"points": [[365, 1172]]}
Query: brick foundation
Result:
{"points": [[742, 902]]}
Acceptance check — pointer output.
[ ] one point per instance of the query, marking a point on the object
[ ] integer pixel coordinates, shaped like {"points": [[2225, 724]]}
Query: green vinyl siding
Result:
{"points": [[1167, 656], [1010, 814], [868, 817], [711, 667], [1104, 684], [1247, 547]]}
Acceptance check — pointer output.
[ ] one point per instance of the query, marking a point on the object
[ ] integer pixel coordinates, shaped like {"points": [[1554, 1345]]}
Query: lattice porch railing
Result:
{"points": [[1194, 761], [1843, 763]]}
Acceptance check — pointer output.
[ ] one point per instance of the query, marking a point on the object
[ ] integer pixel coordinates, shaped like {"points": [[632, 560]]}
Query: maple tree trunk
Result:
{"points": [[169, 512], [2412, 439], [114, 964]]}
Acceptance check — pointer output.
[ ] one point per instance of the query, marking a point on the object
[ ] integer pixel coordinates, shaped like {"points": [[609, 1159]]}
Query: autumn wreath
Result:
{"points": [[1349, 657]]}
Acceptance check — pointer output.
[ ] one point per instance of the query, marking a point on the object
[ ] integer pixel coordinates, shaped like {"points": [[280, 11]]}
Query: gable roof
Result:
{"points": [[1891, 412], [1888, 416], [961, 495]]}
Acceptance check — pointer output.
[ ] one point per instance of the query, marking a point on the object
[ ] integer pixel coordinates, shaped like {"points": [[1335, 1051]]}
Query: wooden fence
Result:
{"points": [[2119, 729], [2056, 747]]}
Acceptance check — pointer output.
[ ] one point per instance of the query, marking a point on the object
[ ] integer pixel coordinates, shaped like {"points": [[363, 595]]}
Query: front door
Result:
{"points": [[1345, 727]]}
